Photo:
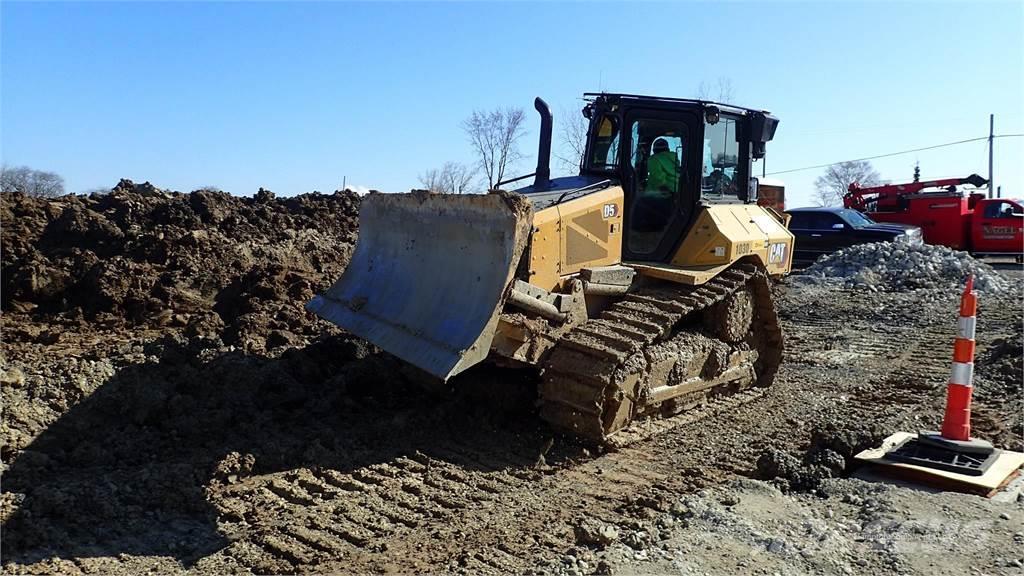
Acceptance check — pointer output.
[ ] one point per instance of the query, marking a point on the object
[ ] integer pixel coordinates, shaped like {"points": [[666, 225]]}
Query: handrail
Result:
{"points": [[516, 179], [603, 183]]}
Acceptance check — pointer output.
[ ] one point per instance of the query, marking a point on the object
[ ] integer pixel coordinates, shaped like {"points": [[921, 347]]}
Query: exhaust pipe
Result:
{"points": [[542, 177]]}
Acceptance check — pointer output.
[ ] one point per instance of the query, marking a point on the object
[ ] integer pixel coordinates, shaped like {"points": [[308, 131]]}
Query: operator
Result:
{"points": [[662, 171], [655, 204]]}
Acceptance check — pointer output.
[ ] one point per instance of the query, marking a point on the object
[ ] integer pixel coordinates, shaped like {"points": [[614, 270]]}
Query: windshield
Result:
{"points": [[719, 173], [856, 219]]}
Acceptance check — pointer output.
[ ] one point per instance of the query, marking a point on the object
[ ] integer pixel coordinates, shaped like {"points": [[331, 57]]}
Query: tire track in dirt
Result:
{"points": [[423, 488], [489, 510]]}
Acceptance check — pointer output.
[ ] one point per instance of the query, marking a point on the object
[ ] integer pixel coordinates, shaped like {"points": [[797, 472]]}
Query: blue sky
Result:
{"points": [[297, 96]]}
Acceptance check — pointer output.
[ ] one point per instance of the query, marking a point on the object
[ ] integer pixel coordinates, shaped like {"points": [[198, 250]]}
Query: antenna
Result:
{"points": [[991, 138]]}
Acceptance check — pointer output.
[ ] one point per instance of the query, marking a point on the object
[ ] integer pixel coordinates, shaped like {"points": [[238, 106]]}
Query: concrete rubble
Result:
{"points": [[898, 266]]}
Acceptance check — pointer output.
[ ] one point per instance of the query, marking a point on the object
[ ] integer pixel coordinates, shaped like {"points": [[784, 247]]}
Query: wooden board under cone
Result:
{"points": [[1006, 467]]}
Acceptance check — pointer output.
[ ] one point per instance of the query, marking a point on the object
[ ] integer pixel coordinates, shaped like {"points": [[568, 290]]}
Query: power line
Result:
{"points": [[895, 153]]}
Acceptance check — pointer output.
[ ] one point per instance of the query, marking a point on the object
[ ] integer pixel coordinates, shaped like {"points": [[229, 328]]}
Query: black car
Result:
{"points": [[825, 230]]}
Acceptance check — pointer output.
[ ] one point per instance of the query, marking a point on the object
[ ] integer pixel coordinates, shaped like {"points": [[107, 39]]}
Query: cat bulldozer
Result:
{"points": [[638, 288]]}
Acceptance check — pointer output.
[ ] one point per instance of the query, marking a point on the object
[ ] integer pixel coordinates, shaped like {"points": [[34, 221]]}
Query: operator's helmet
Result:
{"points": [[660, 145]]}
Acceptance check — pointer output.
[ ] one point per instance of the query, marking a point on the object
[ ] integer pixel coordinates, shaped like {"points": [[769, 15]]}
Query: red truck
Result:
{"points": [[946, 215]]}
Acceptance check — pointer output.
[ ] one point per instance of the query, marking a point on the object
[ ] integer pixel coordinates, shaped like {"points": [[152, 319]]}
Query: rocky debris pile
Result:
{"points": [[216, 265], [593, 533], [900, 265]]}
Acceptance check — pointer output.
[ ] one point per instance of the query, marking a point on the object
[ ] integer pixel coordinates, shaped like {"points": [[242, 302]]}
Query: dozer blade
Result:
{"points": [[428, 276]]}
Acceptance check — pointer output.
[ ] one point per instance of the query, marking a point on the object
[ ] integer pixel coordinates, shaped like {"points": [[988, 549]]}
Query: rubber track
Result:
{"points": [[591, 358]]}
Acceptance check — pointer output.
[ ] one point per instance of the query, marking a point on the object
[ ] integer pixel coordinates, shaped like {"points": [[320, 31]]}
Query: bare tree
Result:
{"points": [[431, 180], [573, 136], [830, 187], [494, 136], [452, 178], [31, 182], [720, 91]]}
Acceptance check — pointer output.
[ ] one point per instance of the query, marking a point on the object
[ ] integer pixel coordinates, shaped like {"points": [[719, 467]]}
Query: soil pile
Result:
{"points": [[1002, 362], [830, 455], [220, 266], [900, 265]]}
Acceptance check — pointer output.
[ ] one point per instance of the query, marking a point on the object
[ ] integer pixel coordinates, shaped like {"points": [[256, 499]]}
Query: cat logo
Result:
{"points": [[610, 210], [777, 253]]}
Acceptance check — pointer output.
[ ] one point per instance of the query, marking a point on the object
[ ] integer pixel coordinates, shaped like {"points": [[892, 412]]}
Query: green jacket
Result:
{"points": [[662, 175]]}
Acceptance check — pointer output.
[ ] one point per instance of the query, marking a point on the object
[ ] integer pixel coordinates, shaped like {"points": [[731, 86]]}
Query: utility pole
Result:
{"points": [[991, 140]]}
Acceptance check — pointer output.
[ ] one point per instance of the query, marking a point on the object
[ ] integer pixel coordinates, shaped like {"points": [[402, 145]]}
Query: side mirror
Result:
{"points": [[839, 226], [752, 190], [762, 131]]}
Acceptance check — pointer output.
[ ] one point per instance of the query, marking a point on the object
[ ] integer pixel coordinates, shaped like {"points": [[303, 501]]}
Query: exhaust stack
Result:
{"points": [[542, 177]]}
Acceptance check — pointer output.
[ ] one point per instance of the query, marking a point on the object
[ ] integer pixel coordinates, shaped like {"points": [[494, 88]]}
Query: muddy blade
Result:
{"points": [[428, 275]]}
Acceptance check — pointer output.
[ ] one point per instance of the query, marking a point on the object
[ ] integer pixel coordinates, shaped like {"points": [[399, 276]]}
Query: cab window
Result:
{"points": [[657, 167], [826, 221], [604, 153], [1002, 210], [720, 172], [800, 221], [856, 219]]}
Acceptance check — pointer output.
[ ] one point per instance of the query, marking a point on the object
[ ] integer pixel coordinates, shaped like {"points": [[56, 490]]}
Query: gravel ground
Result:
{"points": [[849, 527], [132, 445]]}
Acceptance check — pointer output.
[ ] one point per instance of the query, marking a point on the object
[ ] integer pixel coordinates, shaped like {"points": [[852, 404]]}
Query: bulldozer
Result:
{"points": [[638, 288]]}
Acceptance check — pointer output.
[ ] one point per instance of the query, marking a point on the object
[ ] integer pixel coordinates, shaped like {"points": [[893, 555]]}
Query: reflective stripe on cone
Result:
{"points": [[965, 327], [962, 374]]}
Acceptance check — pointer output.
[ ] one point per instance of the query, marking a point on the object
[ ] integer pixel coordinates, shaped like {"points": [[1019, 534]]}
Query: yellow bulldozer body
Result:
{"points": [[587, 232], [638, 287], [444, 281], [576, 234]]}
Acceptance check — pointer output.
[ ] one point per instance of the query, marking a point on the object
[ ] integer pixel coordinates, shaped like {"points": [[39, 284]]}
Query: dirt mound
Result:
{"points": [[1002, 363], [218, 265], [830, 454], [897, 266]]}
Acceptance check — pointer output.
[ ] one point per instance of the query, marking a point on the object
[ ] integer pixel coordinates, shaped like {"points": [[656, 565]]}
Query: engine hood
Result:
{"points": [[891, 227], [556, 187]]}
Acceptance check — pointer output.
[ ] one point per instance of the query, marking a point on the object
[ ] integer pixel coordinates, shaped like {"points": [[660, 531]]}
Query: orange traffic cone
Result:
{"points": [[956, 425]]}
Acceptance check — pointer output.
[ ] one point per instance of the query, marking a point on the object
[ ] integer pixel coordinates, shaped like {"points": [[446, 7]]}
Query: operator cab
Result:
{"points": [[672, 156]]}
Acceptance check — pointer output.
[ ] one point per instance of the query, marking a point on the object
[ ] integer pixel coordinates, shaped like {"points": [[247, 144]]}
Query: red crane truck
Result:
{"points": [[946, 215]]}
